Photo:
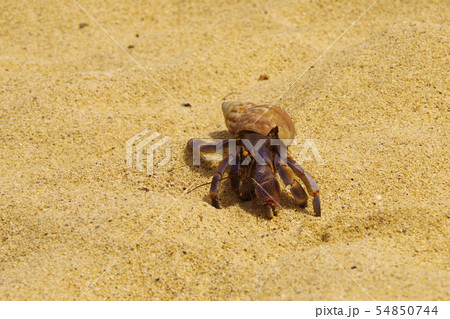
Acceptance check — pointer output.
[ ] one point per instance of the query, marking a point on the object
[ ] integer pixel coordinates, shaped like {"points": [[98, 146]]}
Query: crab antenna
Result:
{"points": [[207, 184]]}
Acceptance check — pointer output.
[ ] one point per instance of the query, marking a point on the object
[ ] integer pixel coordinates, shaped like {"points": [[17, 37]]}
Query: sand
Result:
{"points": [[77, 223]]}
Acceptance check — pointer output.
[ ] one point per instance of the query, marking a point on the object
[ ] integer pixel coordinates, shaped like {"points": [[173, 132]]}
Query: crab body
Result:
{"points": [[257, 152]]}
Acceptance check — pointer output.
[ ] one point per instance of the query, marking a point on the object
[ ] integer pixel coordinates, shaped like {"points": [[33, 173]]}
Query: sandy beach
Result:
{"points": [[80, 79]]}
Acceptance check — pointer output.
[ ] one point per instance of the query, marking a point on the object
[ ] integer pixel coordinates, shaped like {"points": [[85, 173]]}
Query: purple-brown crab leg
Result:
{"points": [[309, 182], [235, 177], [287, 176], [214, 190]]}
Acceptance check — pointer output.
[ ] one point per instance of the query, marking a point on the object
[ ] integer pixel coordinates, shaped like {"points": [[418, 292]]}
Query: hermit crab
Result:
{"points": [[257, 152]]}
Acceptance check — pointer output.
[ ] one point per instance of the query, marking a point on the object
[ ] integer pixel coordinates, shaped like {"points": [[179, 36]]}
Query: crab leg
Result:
{"points": [[235, 174], [214, 190], [309, 182], [286, 175]]}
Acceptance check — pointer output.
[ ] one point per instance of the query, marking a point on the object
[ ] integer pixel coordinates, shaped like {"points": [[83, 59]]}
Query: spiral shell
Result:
{"points": [[261, 119]]}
